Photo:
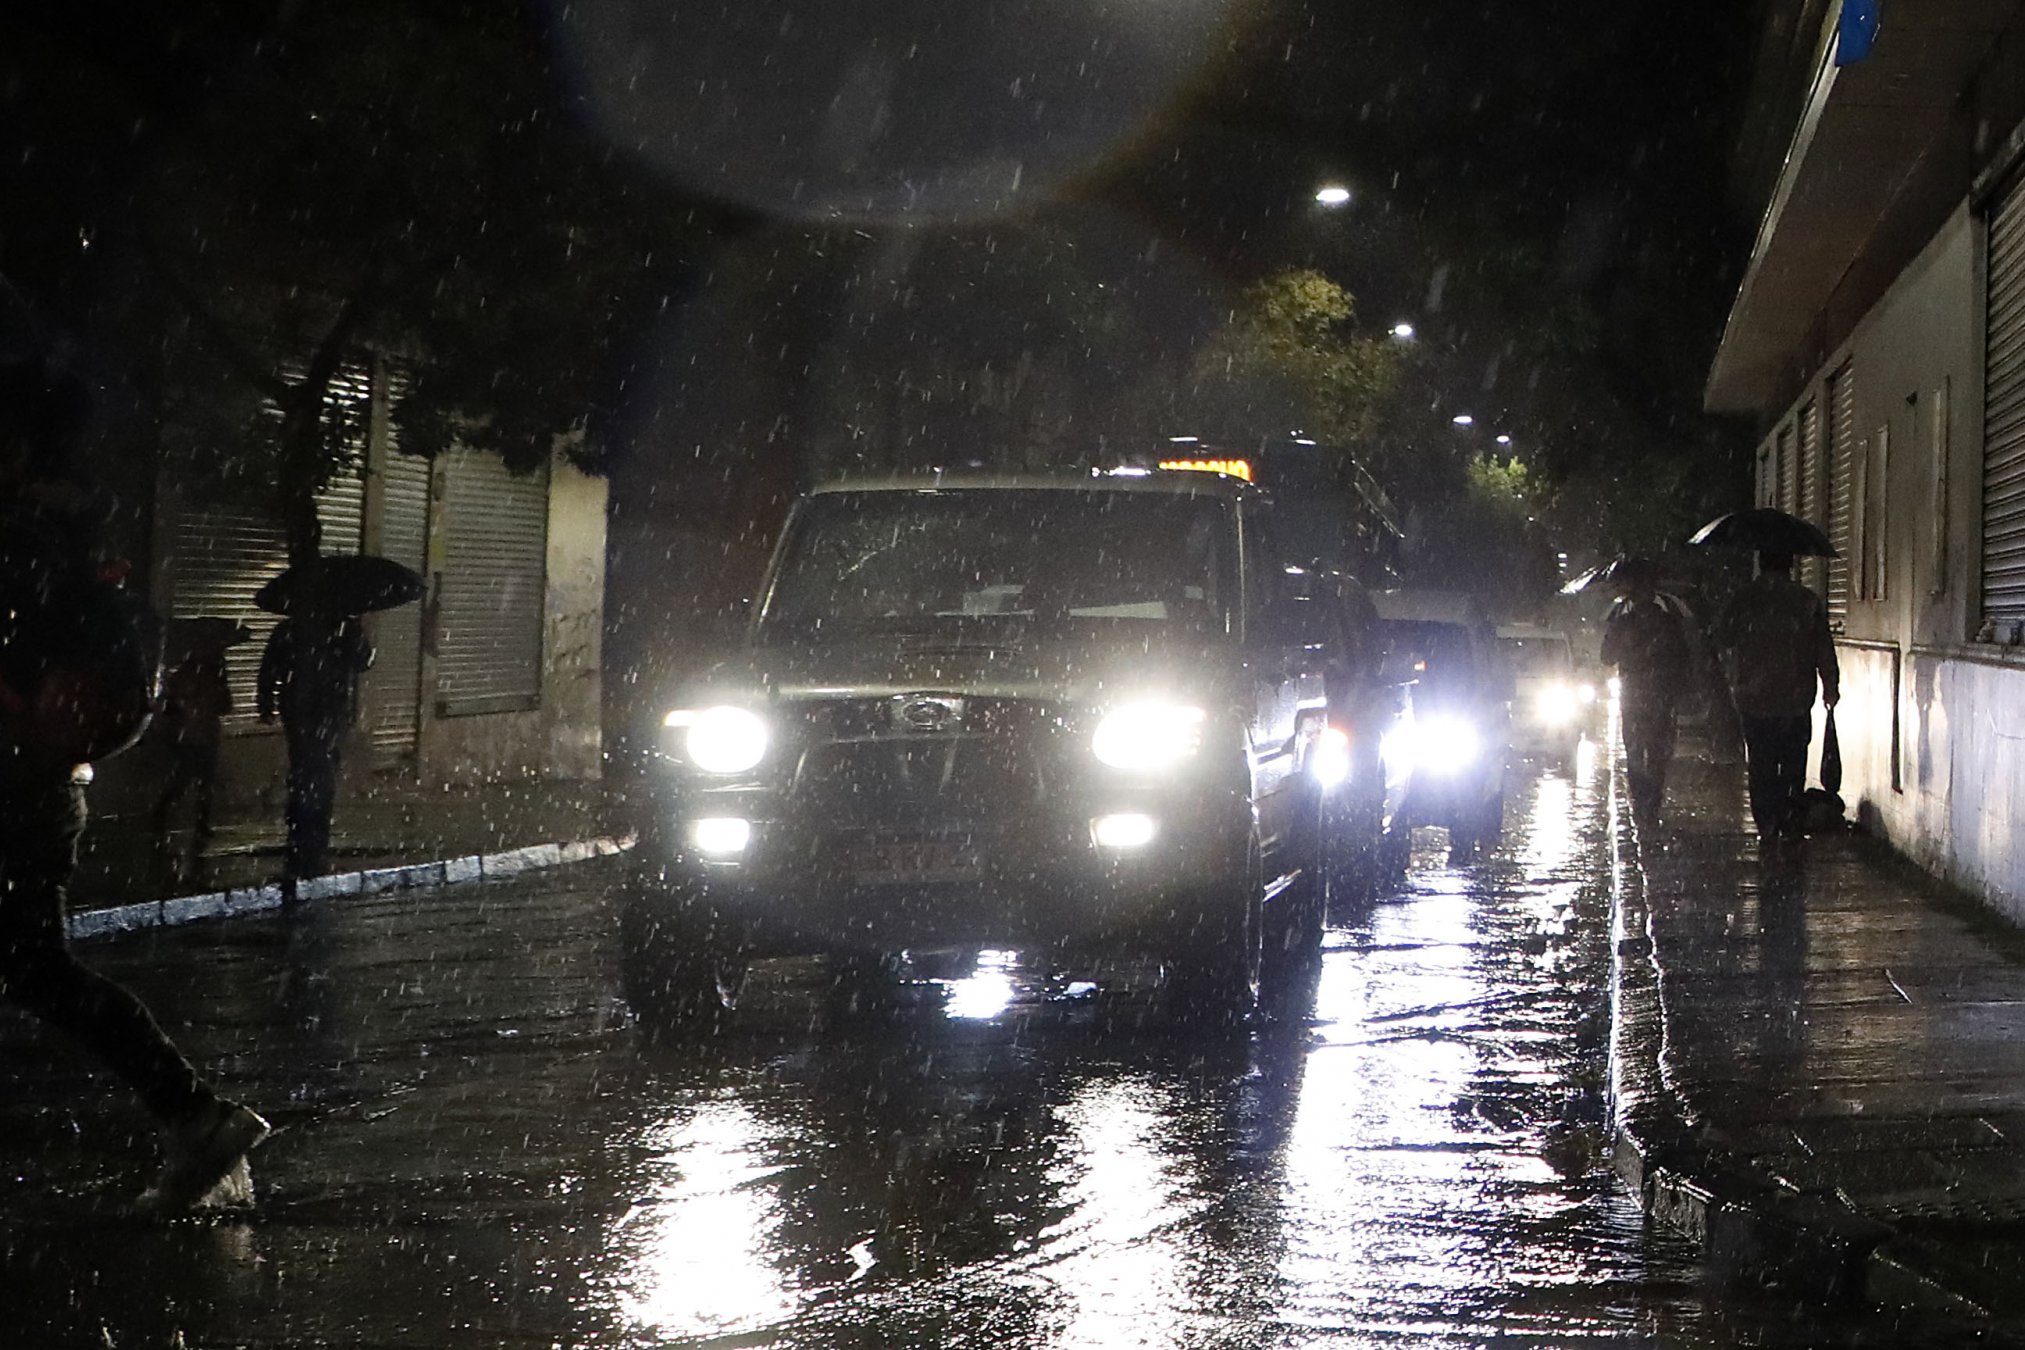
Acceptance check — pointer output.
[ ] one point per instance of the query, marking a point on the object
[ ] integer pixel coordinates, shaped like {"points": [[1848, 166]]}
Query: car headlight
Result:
{"points": [[1148, 736], [1433, 745], [724, 739], [1557, 705]]}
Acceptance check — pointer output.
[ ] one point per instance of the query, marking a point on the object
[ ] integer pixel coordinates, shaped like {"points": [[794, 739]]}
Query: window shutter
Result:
{"points": [[495, 555]]}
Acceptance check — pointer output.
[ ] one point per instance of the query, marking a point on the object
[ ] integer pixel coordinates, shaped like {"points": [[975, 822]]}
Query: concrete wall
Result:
{"points": [[1932, 722], [560, 737]]}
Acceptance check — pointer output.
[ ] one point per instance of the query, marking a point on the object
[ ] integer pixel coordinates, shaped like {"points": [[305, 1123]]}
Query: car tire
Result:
{"points": [[1293, 920], [1212, 974], [682, 964]]}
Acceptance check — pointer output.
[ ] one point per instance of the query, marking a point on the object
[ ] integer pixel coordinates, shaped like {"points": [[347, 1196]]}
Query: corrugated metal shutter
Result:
{"points": [[395, 682], [495, 549], [1761, 489], [1789, 472], [1841, 466], [1811, 506], [222, 551], [2004, 414]]}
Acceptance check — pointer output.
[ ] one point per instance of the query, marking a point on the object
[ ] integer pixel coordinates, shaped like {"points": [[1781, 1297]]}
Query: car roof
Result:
{"points": [[1171, 484], [1531, 632], [1425, 606]]}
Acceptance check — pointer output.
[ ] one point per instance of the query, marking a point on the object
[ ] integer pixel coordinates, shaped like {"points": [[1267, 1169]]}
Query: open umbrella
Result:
{"points": [[357, 583], [1768, 530], [1615, 572], [205, 632]]}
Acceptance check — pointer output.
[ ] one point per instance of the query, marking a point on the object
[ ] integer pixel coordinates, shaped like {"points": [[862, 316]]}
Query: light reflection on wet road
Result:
{"points": [[479, 1150]]}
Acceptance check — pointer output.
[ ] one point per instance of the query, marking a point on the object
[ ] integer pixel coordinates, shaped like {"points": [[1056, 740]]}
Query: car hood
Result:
{"points": [[1073, 671]]}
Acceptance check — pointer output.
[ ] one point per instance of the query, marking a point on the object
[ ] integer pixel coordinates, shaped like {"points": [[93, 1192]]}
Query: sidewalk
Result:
{"points": [[1819, 1061], [391, 835]]}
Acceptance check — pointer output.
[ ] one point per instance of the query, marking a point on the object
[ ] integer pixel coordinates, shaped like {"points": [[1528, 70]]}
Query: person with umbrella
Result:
{"points": [[309, 676], [1775, 631], [196, 698], [77, 667], [1645, 636]]}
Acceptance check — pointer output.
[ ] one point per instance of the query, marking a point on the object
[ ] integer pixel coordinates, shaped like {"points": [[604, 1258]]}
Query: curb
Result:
{"points": [[1744, 1227], [242, 900]]}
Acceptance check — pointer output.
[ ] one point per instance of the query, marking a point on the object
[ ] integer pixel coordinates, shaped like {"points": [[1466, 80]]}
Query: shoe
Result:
{"points": [[206, 1154]]}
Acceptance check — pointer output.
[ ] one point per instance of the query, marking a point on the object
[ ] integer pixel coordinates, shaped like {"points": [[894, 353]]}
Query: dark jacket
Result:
{"points": [[309, 671], [1647, 640], [1776, 631]]}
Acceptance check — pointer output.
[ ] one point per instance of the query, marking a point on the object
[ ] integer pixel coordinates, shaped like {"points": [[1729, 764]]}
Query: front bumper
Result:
{"points": [[1032, 874]]}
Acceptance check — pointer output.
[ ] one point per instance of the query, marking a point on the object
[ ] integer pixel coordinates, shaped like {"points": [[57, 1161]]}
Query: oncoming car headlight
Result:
{"points": [[724, 739], [1432, 745], [1148, 736], [1557, 705]]}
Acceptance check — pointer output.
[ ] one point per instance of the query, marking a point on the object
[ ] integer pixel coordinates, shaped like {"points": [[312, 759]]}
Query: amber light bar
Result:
{"points": [[1236, 468]]}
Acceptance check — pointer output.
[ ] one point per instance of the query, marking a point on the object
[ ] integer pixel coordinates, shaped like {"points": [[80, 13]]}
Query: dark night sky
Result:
{"points": [[1588, 132]]}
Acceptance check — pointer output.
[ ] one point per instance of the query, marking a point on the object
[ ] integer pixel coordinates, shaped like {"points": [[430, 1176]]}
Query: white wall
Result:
{"points": [[1951, 792]]}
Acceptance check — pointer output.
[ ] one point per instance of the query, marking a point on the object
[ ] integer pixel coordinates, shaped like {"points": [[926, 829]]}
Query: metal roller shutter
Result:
{"points": [[495, 549], [2004, 414], [1840, 463], [1789, 471], [395, 708], [1811, 505], [222, 551]]}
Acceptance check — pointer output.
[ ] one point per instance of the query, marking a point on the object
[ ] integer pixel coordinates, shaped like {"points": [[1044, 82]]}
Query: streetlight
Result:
{"points": [[1332, 194], [1504, 440], [1463, 420], [1403, 331]]}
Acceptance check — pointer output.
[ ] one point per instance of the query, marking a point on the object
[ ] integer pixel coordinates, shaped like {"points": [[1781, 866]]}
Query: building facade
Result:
{"points": [[494, 674], [1879, 336]]}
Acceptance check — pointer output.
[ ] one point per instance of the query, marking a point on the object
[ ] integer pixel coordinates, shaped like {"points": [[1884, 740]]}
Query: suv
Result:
{"points": [[1445, 760], [995, 712], [1551, 708]]}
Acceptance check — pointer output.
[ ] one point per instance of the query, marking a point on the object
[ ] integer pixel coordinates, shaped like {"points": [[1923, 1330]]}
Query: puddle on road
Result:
{"points": [[987, 1162]]}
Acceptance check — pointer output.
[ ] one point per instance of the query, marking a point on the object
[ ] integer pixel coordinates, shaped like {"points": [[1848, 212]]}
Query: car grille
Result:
{"points": [[857, 771]]}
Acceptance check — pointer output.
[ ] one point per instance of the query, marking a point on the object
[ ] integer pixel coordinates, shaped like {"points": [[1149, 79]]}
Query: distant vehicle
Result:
{"points": [[1050, 714], [1445, 760], [1552, 706]]}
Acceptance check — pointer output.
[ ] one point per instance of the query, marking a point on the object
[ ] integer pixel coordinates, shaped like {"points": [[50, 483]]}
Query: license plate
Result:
{"points": [[918, 860]]}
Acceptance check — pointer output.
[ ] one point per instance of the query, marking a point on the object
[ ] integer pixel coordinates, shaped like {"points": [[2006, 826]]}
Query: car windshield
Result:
{"points": [[1538, 657], [1440, 655], [1049, 558]]}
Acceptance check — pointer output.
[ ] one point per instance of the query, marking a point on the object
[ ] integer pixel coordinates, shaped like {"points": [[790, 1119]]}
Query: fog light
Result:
{"points": [[720, 836], [1128, 830]]}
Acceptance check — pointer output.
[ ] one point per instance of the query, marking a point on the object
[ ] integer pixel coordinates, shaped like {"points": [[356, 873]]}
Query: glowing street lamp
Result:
{"points": [[1403, 331], [1332, 194], [1463, 420], [1504, 440]]}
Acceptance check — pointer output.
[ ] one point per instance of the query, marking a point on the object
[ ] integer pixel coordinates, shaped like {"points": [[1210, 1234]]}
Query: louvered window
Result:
{"points": [[1812, 505]]}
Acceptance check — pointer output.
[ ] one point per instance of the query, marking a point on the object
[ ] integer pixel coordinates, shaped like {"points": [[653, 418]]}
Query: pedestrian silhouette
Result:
{"points": [[1645, 636], [196, 698], [77, 668], [1775, 632], [309, 676]]}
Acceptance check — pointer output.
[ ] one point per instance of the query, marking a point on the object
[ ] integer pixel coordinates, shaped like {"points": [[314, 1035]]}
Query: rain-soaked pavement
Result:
{"points": [[478, 1149]]}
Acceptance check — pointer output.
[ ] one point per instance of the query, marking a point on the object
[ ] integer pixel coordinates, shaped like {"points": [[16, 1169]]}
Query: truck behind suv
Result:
{"points": [[1057, 715]]}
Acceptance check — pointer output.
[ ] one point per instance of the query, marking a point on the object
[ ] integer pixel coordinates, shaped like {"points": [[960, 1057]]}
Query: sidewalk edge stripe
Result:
{"points": [[418, 876]]}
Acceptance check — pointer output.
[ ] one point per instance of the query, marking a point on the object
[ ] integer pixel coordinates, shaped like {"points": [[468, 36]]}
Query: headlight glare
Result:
{"points": [[1557, 705], [1145, 737], [724, 739]]}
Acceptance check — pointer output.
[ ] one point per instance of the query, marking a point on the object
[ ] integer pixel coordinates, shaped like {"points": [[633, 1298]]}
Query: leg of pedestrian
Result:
{"points": [[205, 1137]]}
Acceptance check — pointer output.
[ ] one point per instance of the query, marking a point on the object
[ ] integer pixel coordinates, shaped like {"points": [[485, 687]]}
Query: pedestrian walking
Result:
{"points": [[309, 677], [196, 698], [1776, 637], [1646, 638], [76, 675]]}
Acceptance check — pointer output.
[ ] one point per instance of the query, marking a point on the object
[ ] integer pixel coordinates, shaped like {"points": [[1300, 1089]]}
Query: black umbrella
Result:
{"points": [[1768, 530], [1619, 571], [348, 584], [205, 632]]}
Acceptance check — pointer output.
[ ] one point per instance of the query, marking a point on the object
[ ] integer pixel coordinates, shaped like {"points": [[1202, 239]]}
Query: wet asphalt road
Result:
{"points": [[477, 1148]]}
